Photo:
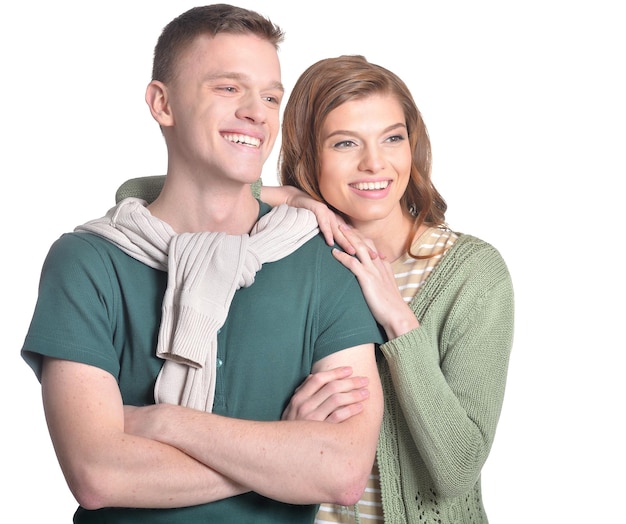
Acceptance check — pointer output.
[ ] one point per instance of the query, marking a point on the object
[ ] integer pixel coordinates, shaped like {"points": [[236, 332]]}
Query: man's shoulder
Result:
{"points": [[83, 242], [74, 250], [317, 244]]}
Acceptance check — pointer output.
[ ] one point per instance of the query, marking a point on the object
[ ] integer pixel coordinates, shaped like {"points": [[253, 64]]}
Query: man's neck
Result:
{"points": [[192, 209]]}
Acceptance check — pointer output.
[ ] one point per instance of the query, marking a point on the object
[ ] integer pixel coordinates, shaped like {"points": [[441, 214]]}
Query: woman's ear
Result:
{"points": [[158, 102]]}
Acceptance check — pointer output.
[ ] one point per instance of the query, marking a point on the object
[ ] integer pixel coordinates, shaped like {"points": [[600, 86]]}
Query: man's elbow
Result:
{"points": [[350, 487], [350, 496], [89, 489]]}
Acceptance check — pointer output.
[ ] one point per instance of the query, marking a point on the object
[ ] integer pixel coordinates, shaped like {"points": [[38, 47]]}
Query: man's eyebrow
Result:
{"points": [[240, 77]]}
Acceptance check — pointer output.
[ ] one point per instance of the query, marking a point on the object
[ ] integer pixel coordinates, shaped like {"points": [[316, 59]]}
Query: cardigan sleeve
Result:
{"points": [[449, 374]]}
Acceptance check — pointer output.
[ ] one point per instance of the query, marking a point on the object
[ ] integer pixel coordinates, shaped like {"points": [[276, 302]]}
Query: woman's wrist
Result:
{"points": [[401, 324]]}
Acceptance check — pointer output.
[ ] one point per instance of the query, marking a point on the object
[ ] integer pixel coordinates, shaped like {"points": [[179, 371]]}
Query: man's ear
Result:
{"points": [[158, 102]]}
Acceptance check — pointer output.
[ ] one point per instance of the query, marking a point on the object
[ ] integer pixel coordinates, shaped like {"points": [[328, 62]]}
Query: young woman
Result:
{"points": [[354, 140]]}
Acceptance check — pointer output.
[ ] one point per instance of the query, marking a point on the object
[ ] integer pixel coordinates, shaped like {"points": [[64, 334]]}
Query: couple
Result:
{"points": [[268, 387]]}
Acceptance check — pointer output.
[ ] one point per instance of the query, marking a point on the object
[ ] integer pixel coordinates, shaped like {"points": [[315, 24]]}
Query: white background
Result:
{"points": [[524, 102]]}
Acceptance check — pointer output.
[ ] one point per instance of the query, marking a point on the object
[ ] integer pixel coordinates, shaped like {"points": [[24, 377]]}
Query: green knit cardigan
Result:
{"points": [[444, 385]]}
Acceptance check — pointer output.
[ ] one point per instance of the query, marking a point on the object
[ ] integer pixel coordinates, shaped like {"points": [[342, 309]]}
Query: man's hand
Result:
{"points": [[331, 396]]}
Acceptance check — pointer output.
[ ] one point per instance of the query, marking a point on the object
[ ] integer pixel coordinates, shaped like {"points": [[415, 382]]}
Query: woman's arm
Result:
{"points": [[450, 387], [378, 283], [328, 221], [449, 375]]}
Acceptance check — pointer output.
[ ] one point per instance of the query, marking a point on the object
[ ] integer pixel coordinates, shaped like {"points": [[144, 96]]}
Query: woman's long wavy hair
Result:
{"points": [[326, 85]]}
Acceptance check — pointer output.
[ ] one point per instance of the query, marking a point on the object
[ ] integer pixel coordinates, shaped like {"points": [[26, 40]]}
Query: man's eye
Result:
{"points": [[273, 99]]}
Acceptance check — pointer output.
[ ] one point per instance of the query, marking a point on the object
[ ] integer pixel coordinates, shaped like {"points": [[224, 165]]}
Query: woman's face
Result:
{"points": [[366, 158]]}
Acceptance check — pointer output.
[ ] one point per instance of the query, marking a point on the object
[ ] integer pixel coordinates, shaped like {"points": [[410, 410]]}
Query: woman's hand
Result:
{"points": [[331, 396], [375, 275], [329, 222]]}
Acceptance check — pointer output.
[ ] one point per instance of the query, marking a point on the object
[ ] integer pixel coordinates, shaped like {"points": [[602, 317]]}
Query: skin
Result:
{"points": [[377, 221], [365, 145], [328, 221], [236, 93], [115, 455], [364, 142], [365, 168]]}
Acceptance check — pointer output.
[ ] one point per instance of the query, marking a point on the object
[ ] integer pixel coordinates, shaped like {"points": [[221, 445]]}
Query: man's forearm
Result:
{"points": [[154, 476], [104, 465], [298, 462]]}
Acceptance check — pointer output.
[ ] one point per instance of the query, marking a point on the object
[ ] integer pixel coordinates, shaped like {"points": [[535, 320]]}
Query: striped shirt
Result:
{"points": [[410, 275]]}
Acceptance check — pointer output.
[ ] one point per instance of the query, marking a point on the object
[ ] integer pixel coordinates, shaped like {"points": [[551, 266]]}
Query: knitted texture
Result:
{"points": [[204, 271], [443, 385]]}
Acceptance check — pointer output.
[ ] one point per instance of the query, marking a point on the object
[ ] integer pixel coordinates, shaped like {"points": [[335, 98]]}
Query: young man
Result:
{"points": [[213, 303]]}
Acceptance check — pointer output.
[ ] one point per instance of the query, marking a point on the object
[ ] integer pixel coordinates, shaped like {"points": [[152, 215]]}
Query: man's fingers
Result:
{"points": [[326, 395]]}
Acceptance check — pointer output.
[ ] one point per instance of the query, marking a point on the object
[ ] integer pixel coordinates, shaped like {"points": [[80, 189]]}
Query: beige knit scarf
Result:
{"points": [[204, 271]]}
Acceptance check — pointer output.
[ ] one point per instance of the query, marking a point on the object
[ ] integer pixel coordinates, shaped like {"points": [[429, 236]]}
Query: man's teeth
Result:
{"points": [[243, 139], [367, 186]]}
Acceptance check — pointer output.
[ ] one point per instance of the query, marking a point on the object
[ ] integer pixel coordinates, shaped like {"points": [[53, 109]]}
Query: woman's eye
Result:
{"points": [[344, 144]]}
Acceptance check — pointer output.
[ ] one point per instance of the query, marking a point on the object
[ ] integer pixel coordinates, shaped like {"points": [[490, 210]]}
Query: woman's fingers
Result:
{"points": [[361, 246], [331, 225]]}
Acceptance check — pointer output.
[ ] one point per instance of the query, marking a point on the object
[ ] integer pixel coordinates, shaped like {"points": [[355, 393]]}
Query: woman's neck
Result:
{"points": [[389, 235]]}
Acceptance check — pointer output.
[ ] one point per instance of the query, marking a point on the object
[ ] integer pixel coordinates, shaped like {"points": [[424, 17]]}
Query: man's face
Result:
{"points": [[225, 102]]}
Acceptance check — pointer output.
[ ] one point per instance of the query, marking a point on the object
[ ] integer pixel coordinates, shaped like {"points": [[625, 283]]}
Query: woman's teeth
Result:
{"points": [[369, 186]]}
